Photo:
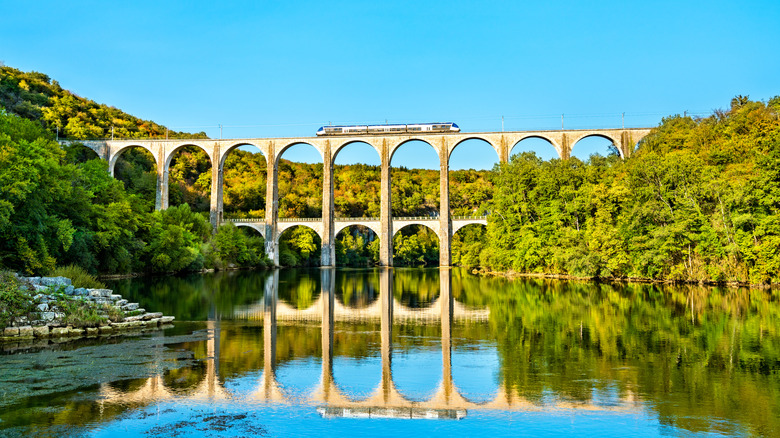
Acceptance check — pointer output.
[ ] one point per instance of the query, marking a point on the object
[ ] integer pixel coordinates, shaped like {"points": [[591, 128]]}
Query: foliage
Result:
{"points": [[299, 246], [78, 276], [698, 201], [35, 96], [15, 298], [234, 246], [415, 245]]}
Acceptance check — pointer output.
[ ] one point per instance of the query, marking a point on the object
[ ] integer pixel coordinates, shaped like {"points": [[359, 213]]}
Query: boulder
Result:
{"points": [[60, 331], [153, 315], [167, 319], [11, 331], [77, 332], [41, 331], [105, 329], [54, 281], [130, 307], [92, 331], [43, 307], [48, 316], [80, 291], [69, 290], [121, 303], [26, 331]]}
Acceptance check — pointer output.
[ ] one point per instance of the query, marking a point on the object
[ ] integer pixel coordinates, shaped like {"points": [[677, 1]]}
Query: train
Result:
{"points": [[388, 129]]}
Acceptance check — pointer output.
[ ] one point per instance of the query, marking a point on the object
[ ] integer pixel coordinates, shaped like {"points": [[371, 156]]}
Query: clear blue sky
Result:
{"points": [[266, 69]]}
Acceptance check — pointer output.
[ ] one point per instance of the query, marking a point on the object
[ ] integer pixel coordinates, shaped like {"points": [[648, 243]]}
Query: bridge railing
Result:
{"points": [[350, 219]]}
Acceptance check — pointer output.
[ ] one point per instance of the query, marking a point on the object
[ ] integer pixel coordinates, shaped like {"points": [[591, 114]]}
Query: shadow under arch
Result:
{"points": [[543, 147], [595, 143], [189, 185], [78, 153], [137, 168]]}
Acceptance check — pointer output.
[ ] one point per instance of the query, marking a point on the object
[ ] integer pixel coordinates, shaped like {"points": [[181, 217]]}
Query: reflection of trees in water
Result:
{"points": [[357, 289], [191, 297], [416, 288], [128, 385], [185, 380], [299, 288], [692, 350]]}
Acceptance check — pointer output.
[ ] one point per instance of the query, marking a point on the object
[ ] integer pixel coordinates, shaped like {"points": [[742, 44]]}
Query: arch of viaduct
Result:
{"points": [[385, 144], [386, 400]]}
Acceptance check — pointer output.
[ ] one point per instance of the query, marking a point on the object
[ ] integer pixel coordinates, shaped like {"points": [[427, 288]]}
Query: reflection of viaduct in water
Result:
{"points": [[385, 400], [374, 311]]}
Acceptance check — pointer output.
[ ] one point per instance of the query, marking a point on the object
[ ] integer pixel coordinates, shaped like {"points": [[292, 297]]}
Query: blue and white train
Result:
{"points": [[388, 129]]}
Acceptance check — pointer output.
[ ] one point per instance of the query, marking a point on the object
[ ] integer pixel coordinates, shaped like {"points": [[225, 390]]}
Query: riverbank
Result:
{"points": [[43, 310], [614, 280]]}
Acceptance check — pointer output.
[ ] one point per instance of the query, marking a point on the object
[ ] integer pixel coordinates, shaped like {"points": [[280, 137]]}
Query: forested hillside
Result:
{"points": [[34, 96], [698, 201]]}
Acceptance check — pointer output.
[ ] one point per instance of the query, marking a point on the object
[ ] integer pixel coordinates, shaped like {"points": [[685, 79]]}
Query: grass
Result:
{"points": [[79, 277]]}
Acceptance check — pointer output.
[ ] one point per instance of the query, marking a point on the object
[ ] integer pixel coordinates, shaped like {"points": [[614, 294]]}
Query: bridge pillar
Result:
{"points": [[216, 206], [328, 237], [161, 197], [271, 206], [385, 211], [445, 224]]}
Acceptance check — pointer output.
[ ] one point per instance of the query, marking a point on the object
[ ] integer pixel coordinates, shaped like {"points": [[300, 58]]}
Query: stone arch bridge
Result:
{"points": [[625, 140]]}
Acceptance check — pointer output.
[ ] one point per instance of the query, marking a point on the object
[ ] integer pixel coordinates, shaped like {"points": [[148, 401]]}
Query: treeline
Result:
{"points": [[34, 96], [54, 211], [698, 201]]}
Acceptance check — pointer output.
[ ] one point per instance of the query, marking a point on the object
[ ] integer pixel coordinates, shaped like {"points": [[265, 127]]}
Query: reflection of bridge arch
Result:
{"points": [[385, 400]]}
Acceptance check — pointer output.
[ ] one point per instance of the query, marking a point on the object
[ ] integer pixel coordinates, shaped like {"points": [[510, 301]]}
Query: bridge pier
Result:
{"points": [[385, 211], [328, 247], [271, 206], [215, 206], [445, 225]]}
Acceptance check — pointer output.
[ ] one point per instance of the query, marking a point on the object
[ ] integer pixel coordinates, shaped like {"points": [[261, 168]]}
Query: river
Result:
{"points": [[387, 352]]}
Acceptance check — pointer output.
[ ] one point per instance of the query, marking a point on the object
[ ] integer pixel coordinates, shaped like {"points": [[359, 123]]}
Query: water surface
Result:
{"points": [[419, 351]]}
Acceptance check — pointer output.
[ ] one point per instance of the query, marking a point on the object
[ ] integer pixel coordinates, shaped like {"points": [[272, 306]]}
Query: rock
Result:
{"points": [[167, 319], [154, 315], [34, 280], [77, 332], [134, 318], [48, 316], [80, 291], [121, 303], [54, 281], [39, 297], [92, 331], [130, 307], [120, 325], [105, 329], [11, 331], [100, 292], [140, 311], [40, 288], [41, 331], [60, 331], [115, 297], [26, 331], [155, 321], [69, 290], [43, 307]]}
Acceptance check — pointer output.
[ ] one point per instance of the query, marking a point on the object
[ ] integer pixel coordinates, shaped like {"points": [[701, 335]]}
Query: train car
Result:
{"points": [[388, 129]]}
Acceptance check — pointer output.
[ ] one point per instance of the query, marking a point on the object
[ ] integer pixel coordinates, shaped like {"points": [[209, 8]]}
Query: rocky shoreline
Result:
{"points": [[52, 298]]}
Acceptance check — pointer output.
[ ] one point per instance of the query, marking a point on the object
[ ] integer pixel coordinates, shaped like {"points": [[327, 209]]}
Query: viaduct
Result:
{"points": [[625, 140]]}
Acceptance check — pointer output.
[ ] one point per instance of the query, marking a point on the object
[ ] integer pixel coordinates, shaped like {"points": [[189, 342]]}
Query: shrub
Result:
{"points": [[15, 299], [79, 277]]}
